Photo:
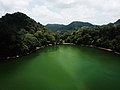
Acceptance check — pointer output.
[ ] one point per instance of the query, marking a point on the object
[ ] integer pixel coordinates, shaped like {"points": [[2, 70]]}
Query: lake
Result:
{"points": [[63, 67]]}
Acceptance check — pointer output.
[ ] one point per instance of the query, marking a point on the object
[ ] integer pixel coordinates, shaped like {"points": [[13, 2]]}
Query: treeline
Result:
{"points": [[105, 36], [19, 34]]}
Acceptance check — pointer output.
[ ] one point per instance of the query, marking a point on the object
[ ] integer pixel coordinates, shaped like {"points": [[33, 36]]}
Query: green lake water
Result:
{"points": [[63, 67]]}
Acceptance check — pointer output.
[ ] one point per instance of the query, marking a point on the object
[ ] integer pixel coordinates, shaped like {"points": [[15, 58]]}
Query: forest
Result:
{"points": [[21, 35], [105, 36]]}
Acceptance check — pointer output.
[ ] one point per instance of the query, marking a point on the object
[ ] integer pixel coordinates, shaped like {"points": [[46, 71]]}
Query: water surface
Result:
{"points": [[63, 67]]}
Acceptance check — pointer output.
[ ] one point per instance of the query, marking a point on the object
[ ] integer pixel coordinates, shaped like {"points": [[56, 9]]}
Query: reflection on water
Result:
{"points": [[64, 67]]}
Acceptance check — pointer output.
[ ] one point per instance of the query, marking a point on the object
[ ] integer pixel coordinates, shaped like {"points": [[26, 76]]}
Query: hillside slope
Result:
{"points": [[19, 34]]}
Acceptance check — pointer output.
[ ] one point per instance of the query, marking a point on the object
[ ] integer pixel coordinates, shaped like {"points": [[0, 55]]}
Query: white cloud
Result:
{"points": [[65, 11], [14, 4]]}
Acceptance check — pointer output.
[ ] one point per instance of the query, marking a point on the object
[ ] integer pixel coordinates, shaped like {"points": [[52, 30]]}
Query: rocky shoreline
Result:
{"points": [[17, 56], [105, 49], [38, 48]]}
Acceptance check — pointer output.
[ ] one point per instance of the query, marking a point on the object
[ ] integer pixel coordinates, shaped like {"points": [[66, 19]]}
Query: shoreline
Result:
{"points": [[38, 48], [68, 44], [105, 49], [17, 56], [101, 48]]}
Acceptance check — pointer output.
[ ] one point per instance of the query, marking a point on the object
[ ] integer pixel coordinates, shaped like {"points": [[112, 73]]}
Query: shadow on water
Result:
{"points": [[98, 54], [9, 66], [51, 48]]}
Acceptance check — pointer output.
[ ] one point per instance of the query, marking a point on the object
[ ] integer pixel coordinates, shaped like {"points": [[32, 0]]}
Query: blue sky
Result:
{"points": [[65, 11]]}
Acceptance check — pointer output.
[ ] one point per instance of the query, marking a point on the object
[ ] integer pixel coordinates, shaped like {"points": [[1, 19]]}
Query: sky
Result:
{"points": [[65, 11]]}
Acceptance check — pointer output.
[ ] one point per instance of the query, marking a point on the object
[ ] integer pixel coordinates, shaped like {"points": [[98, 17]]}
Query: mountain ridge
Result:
{"points": [[71, 26]]}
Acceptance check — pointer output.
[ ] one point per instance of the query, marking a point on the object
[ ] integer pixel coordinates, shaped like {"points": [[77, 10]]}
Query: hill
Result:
{"points": [[104, 36], [55, 26], [71, 26], [19, 34], [117, 22], [77, 24]]}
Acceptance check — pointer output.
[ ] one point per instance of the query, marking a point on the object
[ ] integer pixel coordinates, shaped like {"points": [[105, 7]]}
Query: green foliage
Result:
{"points": [[19, 34], [106, 36]]}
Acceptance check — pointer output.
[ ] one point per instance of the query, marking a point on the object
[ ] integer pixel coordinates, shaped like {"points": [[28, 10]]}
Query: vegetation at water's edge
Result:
{"points": [[19, 35], [106, 36]]}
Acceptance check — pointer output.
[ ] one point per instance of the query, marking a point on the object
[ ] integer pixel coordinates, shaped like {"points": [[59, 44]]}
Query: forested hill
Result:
{"points": [[19, 34], [105, 36], [77, 24], [71, 26], [55, 27], [117, 22]]}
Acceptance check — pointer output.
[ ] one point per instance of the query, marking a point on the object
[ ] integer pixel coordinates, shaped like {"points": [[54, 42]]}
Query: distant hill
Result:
{"points": [[77, 24], [55, 26], [117, 22], [71, 26]]}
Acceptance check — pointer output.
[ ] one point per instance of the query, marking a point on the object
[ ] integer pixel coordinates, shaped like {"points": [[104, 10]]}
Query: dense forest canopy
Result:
{"points": [[105, 36], [19, 35]]}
